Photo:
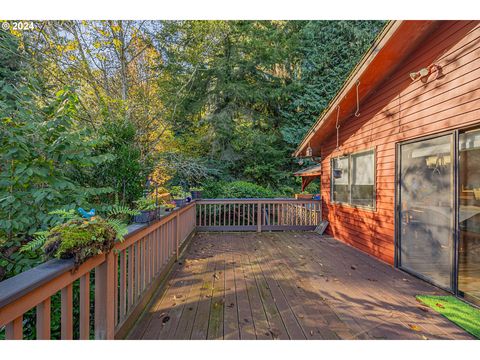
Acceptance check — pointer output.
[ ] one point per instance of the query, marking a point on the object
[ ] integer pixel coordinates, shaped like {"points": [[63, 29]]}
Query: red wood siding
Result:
{"points": [[400, 110]]}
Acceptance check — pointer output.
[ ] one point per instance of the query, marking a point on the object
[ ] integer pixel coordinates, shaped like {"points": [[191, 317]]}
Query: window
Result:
{"points": [[340, 176], [353, 179]]}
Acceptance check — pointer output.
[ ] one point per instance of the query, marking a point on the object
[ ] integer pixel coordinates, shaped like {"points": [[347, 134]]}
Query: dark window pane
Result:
{"points": [[340, 193], [363, 195]]}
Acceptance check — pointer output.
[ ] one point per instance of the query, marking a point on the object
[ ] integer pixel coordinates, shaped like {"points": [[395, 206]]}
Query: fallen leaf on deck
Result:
{"points": [[353, 267], [415, 327], [165, 320]]}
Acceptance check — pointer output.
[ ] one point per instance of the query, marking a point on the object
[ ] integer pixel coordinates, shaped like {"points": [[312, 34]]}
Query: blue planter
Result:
{"points": [[197, 194], [180, 202], [145, 216]]}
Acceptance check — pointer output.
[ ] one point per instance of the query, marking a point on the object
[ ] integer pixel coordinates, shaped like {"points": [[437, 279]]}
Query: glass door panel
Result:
{"points": [[469, 216], [427, 209]]}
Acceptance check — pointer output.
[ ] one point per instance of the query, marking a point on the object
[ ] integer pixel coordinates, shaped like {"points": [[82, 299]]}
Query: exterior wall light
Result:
{"points": [[309, 151]]}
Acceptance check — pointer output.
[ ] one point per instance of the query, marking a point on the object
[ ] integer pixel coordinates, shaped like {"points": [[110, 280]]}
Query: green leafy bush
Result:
{"points": [[146, 204], [236, 189], [178, 193]]}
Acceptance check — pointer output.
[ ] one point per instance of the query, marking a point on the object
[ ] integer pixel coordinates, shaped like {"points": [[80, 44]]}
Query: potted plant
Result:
{"points": [[147, 208], [179, 196], [163, 208], [169, 206], [196, 193]]}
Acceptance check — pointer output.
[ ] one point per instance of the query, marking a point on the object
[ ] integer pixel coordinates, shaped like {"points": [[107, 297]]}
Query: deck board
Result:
{"points": [[288, 285]]}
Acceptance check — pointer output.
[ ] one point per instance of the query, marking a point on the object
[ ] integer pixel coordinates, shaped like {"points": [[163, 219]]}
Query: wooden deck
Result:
{"points": [[288, 286]]}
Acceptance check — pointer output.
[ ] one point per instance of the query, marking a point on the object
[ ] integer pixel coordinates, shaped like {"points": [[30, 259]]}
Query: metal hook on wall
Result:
{"points": [[357, 113]]}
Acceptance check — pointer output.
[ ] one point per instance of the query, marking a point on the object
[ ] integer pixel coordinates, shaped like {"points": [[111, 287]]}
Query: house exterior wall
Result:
{"points": [[400, 110]]}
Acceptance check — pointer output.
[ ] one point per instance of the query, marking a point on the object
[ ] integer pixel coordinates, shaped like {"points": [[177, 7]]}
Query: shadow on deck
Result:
{"points": [[288, 286]]}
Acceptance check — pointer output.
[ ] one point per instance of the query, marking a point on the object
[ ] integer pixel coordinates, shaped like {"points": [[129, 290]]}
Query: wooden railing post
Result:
{"points": [[104, 299], [43, 320], [67, 313], [177, 235], [259, 217], [14, 329], [85, 307]]}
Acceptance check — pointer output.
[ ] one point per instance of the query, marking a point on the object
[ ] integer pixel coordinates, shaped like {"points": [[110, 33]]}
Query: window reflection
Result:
{"points": [[426, 192], [469, 216]]}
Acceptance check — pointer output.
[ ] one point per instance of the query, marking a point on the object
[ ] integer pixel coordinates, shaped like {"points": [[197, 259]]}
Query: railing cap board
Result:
{"points": [[23, 283], [15, 287]]}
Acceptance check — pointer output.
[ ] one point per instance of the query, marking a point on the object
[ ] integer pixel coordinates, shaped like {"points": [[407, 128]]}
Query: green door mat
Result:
{"points": [[455, 310]]}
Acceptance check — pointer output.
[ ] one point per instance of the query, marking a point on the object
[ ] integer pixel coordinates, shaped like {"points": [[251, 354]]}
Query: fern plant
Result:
{"points": [[120, 228], [39, 238], [116, 217], [65, 215], [119, 210]]}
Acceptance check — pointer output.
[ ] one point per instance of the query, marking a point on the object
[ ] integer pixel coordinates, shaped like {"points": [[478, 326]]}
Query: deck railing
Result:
{"points": [[257, 214], [124, 281]]}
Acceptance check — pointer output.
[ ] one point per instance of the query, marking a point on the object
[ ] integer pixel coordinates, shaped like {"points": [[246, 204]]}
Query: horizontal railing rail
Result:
{"points": [[124, 280], [257, 214]]}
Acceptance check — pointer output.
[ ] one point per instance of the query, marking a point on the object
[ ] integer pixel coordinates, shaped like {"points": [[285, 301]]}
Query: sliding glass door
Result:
{"points": [[469, 216], [426, 209]]}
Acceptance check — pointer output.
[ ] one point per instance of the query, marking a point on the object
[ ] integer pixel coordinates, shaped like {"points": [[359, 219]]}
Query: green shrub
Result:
{"points": [[312, 188], [178, 193], [146, 203], [236, 189]]}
